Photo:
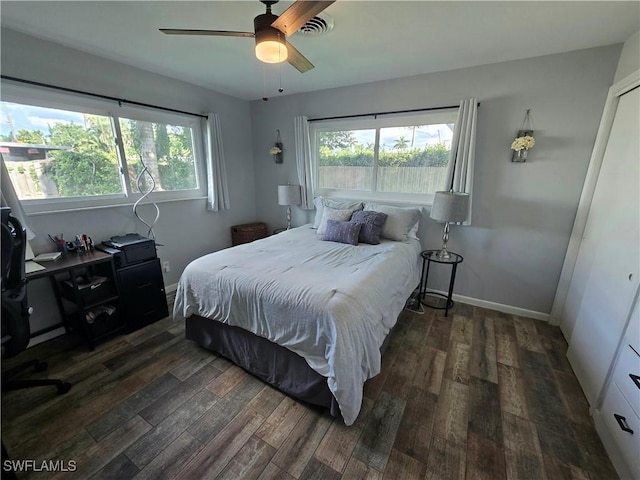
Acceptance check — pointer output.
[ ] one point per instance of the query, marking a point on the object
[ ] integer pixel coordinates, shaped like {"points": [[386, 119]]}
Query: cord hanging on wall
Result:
{"points": [[524, 140], [141, 184], [264, 84]]}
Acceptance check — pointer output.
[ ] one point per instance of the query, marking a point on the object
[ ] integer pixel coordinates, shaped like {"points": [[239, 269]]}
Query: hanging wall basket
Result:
{"points": [[523, 142], [276, 150]]}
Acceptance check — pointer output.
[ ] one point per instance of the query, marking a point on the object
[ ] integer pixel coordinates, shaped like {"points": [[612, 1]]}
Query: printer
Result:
{"points": [[129, 249]]}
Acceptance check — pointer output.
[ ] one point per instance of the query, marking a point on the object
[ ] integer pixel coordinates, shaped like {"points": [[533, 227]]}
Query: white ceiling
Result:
{"points": [[372, 40]]}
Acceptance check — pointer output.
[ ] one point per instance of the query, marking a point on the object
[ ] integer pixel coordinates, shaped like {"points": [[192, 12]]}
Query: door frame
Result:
{"points": [[602, 138]]}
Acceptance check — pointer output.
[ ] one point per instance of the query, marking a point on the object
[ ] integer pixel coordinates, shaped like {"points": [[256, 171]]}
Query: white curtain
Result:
{"points": [[303, 160], [463, 150], [217, 189], [10, 199]]}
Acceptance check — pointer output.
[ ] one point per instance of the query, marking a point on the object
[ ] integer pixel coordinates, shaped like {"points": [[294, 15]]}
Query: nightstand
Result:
{"points": [[429, 256]]}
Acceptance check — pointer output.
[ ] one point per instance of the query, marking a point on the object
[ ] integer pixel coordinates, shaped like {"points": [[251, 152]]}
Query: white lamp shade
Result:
{"points": [[289, 195], [271, 47], [450, 207]]}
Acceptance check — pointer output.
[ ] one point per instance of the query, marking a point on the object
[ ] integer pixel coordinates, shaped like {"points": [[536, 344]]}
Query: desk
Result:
{"points": [[70, 263], [429, 256]]}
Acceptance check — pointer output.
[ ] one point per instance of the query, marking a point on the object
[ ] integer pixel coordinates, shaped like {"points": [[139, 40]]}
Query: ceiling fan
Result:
{"points": [[270, 31]]}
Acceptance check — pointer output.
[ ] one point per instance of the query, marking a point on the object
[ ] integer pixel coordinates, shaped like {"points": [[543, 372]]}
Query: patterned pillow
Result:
{"points": [[343, 232], [372, 225], [321, 202], [328, 213]]}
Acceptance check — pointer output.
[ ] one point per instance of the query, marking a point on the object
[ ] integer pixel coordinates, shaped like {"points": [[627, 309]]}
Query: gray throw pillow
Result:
{"points": [[372, 225], [343, 232]]}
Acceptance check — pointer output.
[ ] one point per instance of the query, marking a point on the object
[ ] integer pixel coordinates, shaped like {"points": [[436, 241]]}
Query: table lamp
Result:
{"points": [[289, 195], [449, 207]]}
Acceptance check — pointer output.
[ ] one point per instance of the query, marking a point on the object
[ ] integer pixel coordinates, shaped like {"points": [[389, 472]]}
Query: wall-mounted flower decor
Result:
{"points": [[276, 150], [521, 145], [523, 142]]}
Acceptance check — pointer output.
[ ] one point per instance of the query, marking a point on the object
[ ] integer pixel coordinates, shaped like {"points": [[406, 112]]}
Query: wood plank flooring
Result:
{"points": [[477, 395]]}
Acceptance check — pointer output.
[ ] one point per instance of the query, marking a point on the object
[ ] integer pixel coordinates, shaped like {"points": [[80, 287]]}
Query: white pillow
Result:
{"points": [[328, 213], [317, 202], [321, 202], [413, 233], [400, 220]]}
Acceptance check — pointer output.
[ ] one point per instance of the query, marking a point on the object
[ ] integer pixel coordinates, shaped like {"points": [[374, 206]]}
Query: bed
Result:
{"points": [[307, 316]]}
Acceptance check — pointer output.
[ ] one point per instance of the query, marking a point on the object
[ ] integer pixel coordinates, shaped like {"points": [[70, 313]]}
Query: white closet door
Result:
{"points": [[607, 269]]}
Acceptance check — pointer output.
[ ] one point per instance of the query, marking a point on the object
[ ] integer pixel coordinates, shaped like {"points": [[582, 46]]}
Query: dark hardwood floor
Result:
{"points": [[477, 395]]}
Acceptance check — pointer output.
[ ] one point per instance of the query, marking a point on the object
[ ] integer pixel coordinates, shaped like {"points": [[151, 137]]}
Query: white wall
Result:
{"points": [[629, 57], [523, 213], [185, 228]]}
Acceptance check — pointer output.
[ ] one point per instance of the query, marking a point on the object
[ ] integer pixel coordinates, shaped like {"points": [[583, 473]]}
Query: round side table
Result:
{"points": [[429, 256]]}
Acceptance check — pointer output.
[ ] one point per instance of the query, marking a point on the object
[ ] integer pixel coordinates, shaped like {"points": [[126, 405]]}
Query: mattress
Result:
{"points": [[332, 304]]}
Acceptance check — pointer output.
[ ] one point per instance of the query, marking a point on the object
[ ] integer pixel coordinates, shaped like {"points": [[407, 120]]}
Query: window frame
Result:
{"points": [[362, 123], [49, 98]]}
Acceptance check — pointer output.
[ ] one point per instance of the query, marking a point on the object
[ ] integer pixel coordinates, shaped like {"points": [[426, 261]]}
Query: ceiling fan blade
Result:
{"points": [[219, 33], [296, 59], [298, 14]]}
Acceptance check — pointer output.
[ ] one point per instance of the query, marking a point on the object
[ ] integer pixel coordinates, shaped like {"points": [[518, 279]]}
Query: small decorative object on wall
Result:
{"points": [[524, 141], [276, 150]]}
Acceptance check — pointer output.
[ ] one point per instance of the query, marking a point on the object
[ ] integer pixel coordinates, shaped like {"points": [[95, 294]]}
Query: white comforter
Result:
{"points": [[332, 304]]}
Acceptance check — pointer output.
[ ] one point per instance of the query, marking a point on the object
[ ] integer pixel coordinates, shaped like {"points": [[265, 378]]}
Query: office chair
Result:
{"points": [[15, 308]]}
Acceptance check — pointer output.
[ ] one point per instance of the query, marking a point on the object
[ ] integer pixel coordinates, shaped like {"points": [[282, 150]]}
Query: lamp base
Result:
{"points": [[443, 254]]}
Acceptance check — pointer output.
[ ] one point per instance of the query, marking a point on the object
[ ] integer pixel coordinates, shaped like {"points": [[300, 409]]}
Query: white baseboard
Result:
{"points": [[46, 336], [522, 312], [171, 288]]}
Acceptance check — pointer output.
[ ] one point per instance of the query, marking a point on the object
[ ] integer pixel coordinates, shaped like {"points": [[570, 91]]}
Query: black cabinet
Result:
{"points": [[142, 296]]}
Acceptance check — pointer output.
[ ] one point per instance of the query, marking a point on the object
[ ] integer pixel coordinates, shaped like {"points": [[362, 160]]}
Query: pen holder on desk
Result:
{"points": [[83, 243]]}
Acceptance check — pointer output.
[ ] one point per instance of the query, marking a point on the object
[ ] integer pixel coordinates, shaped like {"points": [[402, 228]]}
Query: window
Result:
{"points": [[65, 152], [402, 158], [168, 150]]}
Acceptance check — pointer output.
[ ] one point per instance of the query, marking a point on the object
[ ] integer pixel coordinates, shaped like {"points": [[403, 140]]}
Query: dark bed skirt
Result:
{"points": [[285, 370]]}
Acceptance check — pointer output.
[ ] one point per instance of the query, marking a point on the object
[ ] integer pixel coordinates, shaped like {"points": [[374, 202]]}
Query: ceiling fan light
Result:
{"points": [[271, 46]]}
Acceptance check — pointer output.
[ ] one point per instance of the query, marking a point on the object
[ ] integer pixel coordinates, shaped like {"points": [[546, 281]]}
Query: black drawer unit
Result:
{"points": [[142, 296], [88, 297]]}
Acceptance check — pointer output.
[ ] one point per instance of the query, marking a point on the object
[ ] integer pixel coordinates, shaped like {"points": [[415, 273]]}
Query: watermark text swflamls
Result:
{"points": [[39, 465]]}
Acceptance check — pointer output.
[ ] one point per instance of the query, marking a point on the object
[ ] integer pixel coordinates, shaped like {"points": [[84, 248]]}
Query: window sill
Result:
{"points": [[382, 198], [49, 211]]}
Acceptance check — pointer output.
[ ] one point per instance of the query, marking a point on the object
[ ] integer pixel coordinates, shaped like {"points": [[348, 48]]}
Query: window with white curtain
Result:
{"points": [[65, 152], [399, 157]]}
